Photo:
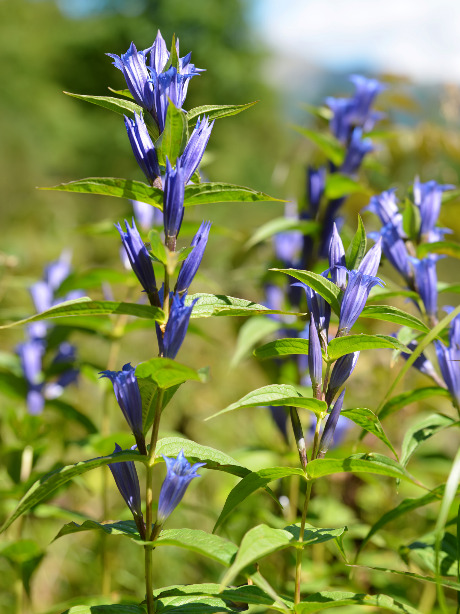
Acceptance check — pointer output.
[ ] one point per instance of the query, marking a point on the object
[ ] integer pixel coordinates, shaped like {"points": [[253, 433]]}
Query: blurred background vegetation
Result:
{"points": [[47, 138]]}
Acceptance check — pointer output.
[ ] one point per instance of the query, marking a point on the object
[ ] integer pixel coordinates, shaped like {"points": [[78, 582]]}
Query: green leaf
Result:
{"points": [[119, 105], [172, 141], [106, 609], [393, 314], [411, 220], [214, 459], [366, 419], [211, 546], [279, 395], [113, 186], [357, 248], [406, 506], [166, 372], [328, 144], [356, 343], [122, 527], [50, 482], [338, 186], [321, 112], [257, 543], [221, 305], [335, 599], [217, 111], [281, 224], [85, 306], [414, 576], [423, 553], [149, 394], [252, 331], [282, 347], [448, 248], [157, 247], [313, 535], [329, 291], [411, 396], [421, 431], [192, 604], [252, 482], [358, 463], [203, 193]]}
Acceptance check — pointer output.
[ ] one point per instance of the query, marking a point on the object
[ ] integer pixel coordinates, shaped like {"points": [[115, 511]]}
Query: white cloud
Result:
{"points": [[419, 38]]}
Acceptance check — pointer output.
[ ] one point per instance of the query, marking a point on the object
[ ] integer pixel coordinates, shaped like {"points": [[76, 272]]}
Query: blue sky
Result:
{"points": [[416, 38]]}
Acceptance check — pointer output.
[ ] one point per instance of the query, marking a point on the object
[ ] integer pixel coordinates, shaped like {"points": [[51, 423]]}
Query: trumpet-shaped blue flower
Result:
{"points": [[176, 327], [357, 149], [449, 363], [125, 476], [395, 251], [340, 124], [173, 199], [133, 66], [342, 370], [315, 359], [127, 393], [316, 184], [355, 297], [385, 206], [139, 257], [191, 264], [427, 197], [366, 92], [142, 146], [329, 429], [179, 475], [320, 309], [337, 260], [159, 58], [426, 281], [169, 86], [370, 263], [30, 354], [194, 150]]}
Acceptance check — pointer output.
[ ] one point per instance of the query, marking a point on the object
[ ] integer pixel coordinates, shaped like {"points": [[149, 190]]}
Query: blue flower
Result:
{"points": [[30, 354], [329, 429], [357, 149], [179, 475], [169, 86], [142, 146], [139, 258], [366, 92], [422, 363], [125, 476], [370, 263], [315, 359], [316, 184], [176, 327], [133, 66], [340, 124], [192, 262], [337, 260], [355, 297], [385, 206], [342, 370], [448, 359], [427, 197], [147, 216], [159, 58], [320, 309], [194, 150], [127, 393], [173, 199], [426, 282], [395, 251]]}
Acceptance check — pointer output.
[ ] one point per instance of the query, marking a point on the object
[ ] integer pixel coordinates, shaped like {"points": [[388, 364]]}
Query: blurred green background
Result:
{"points": [[49, 138]]}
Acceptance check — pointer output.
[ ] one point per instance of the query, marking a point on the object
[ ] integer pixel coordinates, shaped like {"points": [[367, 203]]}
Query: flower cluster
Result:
{"points": [[45, 294]]}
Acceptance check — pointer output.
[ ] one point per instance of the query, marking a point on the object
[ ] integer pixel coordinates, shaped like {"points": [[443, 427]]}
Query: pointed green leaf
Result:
{"points": [[122, 527], [118, 105], [357, 248], [105, 609], [157, 247], [255, 545], [411, 396], [341, 346], [113, 186], [279, 395], [281, 224], [171, 142], [207, 544], [421, 431], [393, 314], [252, 482], [448, 248], [282, 347], [358, 463], [328, 144], [366, 419], [414, 576], [203, 193], [313, 535], [329, 291], [221, 305], [166, 372], [85, 306], [217, 111], [335, 599], [253, 330]]}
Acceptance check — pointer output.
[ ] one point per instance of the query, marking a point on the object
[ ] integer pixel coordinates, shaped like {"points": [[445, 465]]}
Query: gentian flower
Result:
{"points": [[194, 150], [139, 258], [127, 393], [426, 282], [422, 363], [340, 124], [448, 359], [357, 149], [159, 54], [125, 476], [316, 184], [370, 263], [395, 251], [337, 262], [147, 216], [320, 309], [385, 206], [176, 327], [355, 297], [142, 146], [329, 429], [366, 92], [427, 197], [179, 475], [315, 359], [342, 370], [56, 272], [173, 199], [169, 86], [133, 66], [30, 354], [192, 262]]}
